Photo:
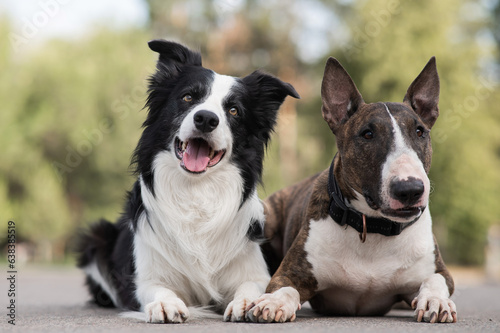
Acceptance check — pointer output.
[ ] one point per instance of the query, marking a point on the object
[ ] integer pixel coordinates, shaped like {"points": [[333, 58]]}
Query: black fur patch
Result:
{"points": [[110, 246], [98, 241], [255, 231], [99, 296], [260, 96], [123, 267], [134, 206], [96, 245]]}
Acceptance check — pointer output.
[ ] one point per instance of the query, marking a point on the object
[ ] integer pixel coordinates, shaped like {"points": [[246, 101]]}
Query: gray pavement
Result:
{"points": [[52, 299]]}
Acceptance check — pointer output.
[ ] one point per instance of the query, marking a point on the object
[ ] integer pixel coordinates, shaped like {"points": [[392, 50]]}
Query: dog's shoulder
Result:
{"points": [[319, 199], [290, 209]]}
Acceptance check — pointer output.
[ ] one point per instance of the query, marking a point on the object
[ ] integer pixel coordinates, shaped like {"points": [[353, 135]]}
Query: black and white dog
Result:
{"points": [[188, 233]]}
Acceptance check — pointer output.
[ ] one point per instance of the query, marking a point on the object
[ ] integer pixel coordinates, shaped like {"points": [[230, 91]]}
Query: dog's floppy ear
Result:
{"points": [[423, 94], [173, 55], [339, 94], [268, 93], [271, 88]]}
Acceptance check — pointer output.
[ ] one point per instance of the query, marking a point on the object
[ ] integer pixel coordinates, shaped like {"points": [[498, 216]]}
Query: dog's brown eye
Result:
{"points": [[368, 135], [187, 98], [420, 132], [233, 111]]}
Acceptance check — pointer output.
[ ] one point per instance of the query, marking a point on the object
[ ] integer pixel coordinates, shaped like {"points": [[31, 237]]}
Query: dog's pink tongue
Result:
{"points": [[195, 157]]}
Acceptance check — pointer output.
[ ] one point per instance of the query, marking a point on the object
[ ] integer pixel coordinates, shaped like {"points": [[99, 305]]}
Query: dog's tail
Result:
{"points": [[195, 312], [94, 249]]}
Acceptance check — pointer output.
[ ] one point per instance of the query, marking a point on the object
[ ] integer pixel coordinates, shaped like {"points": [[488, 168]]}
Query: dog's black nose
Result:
{"points": [[407, 192], [205, 121]]}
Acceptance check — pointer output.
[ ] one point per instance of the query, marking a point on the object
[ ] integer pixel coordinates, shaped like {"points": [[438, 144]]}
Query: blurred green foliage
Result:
{"points": [[69, 123], [71, 115]]}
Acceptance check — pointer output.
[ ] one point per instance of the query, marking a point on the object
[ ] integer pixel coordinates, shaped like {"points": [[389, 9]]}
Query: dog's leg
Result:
{"points": [[162, 305], [279, 306], [244, 296], [253, 270], [433, 303], [286, 291]]}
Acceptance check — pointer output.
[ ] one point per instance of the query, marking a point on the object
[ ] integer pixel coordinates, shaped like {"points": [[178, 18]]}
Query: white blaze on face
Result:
{"points": [[401, 164], [220, 137]]}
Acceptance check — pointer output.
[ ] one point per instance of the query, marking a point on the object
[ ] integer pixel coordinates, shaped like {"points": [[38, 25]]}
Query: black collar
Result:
{"points": [[343, 215]]}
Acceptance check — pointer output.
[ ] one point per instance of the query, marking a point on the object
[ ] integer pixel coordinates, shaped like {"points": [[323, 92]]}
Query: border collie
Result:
{"points": [[189, 234]]}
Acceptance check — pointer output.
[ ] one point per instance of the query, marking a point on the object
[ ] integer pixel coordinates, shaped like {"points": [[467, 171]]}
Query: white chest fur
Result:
{"points": [[361, 278], [193, 230]]}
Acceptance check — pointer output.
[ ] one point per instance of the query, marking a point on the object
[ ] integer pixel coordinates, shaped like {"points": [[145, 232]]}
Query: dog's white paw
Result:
{"points": [[168, 310], [236, 310], [278, 307], [434, 309]]}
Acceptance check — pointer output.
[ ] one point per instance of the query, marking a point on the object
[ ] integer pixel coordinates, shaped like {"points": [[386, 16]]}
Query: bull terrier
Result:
{"points": [[357, 238]]}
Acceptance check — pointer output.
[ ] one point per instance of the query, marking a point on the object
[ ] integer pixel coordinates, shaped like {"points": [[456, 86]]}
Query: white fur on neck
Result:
{"points": [[192, 228]]}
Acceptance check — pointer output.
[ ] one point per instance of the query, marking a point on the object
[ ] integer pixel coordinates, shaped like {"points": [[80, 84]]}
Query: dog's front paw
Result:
{"points": [[236, 310], [434, 309], [169, 310], [278, 307]]}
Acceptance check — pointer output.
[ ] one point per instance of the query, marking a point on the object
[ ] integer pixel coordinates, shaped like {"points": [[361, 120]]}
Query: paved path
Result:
{"points": [[54, 300]]}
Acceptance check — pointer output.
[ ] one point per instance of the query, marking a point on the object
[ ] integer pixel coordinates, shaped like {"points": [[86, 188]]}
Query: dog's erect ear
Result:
{"points": [[339, 94], [173, 55], [423, 94]]}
